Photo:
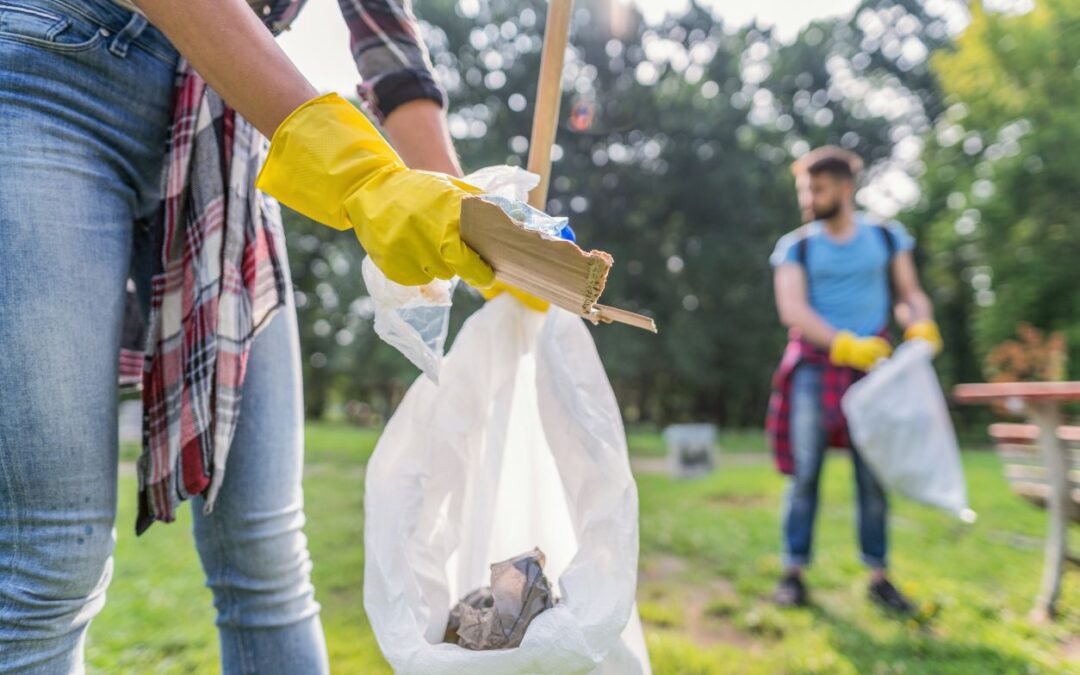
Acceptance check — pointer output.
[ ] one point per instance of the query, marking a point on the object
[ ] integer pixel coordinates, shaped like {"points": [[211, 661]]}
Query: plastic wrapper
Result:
{"points": [[533, 219], [508, 187]]}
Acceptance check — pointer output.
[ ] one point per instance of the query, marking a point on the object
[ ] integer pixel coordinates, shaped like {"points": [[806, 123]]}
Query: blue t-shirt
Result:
{"points": [[848, 281]]}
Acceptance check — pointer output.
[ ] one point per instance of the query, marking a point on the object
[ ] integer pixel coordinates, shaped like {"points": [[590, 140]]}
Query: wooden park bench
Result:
{"points": [[1018, 447], [1041, 463]]}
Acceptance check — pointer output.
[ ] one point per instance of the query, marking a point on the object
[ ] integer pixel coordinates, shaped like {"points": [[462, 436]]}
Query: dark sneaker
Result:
{"points": [[791, 592], [887, 596]]}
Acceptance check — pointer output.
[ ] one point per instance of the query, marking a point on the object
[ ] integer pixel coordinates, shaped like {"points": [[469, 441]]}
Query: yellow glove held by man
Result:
{"points": [[531, 301], [928, 330], [328, 162], [858, 352]]}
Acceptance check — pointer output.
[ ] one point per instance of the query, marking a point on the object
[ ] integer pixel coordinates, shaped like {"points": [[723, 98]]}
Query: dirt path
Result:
{"points": [[703, 608]]}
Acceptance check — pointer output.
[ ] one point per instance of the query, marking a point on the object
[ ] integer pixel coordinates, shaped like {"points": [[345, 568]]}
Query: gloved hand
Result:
{"points": [[926, 329], [531, 301], [330, 164], [858, 352]]}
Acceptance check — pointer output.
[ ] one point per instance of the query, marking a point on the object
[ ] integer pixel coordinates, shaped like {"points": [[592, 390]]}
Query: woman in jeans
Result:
{"points": [[86, 115]]}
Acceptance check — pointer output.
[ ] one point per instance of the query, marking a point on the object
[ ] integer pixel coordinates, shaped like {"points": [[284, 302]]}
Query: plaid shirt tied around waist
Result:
{"points": [[222, 274], [835, 381], [218, 281]]}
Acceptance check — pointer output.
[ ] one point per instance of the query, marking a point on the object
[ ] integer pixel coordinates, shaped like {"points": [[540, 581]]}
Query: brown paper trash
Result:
{"points": [[497, 616], [554, 270]]}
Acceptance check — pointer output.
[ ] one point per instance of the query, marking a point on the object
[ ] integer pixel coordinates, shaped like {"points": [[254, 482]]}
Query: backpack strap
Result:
{"points": [[800, 251], [801, 255], [890, 249], [890, 243]]}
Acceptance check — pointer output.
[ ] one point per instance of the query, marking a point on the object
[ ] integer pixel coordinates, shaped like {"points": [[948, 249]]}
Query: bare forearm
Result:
{"points": [[794, 307], [227, 44], [810, 324], [418, 132], [913, 305], [919, 307]]}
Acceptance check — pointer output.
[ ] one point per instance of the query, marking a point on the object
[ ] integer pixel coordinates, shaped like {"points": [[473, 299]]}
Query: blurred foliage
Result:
{"points": [[676, 163], [1033, 357], [1000, 211]]}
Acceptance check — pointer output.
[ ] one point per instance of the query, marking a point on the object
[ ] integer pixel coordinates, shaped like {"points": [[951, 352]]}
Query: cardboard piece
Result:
{"points": [[557, 271]]}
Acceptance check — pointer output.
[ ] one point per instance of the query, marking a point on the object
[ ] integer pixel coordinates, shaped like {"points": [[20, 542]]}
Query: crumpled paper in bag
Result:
{"points": [[497, 616]]}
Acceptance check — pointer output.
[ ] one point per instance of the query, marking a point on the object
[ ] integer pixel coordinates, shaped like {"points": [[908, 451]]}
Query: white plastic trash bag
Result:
{"points": [[900, 424], [521, 444]]}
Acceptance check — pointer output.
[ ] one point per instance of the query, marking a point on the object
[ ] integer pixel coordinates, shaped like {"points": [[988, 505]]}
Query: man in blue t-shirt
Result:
{"points": [[838, 279]]}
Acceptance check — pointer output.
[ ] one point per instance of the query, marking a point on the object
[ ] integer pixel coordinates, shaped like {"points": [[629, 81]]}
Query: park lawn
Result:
{"points": [[708, 564]]}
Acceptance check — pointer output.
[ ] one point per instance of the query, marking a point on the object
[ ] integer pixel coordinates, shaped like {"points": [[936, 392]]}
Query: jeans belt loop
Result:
{"points": [[127, 35]]}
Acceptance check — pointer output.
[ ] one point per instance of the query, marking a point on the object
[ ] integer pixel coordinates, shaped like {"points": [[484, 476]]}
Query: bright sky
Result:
{"points": [[319, 42]]}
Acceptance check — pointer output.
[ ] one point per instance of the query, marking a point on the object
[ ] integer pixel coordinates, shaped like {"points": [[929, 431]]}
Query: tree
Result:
{"points": [[679, 168], [1000, 201]]}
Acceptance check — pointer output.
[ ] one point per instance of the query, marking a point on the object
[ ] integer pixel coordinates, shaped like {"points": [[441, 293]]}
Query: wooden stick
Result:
{"points": [[548, 97], [609, 314]]}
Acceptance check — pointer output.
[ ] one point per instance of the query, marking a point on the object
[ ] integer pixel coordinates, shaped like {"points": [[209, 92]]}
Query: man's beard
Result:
{"points": [[827, 212]]}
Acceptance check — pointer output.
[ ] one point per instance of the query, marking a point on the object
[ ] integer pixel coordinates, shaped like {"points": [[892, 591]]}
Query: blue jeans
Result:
{"points": [[808, 439], [85, 106]]}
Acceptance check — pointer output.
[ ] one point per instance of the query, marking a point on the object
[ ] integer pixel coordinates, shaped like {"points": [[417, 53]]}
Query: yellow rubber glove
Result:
{"points": [[531, 301], [928, 330], [328, 162], [858, 352]]}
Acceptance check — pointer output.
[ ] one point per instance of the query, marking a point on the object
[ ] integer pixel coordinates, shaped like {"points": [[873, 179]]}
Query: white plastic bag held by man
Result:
{"points": [[898, 419]]}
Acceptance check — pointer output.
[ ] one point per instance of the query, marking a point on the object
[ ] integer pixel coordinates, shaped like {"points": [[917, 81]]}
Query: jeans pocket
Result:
{"points": [[47, 29]]}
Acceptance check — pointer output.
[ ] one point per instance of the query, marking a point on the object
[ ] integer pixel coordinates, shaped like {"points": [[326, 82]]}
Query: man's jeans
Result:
{"points": [[800, 503], [85, 106]]}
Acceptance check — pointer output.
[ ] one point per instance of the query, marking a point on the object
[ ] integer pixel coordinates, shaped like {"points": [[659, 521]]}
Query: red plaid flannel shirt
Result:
{"points": [[219, 280], [220, 277], [384, 37], [835, 381]]}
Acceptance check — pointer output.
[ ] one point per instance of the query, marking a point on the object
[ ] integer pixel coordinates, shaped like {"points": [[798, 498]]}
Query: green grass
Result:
{"points": [[709, 547], [708, 564]]}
